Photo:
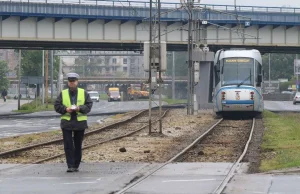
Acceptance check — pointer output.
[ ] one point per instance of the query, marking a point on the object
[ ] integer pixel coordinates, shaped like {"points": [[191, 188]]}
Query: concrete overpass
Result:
{"points": [[111, 80], [123, 25]]}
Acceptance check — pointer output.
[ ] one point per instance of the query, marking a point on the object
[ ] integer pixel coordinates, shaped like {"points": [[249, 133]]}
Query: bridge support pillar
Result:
{"points": [[203, 90]]}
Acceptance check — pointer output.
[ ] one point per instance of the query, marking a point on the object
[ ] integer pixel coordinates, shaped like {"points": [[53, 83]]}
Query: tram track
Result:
{"points": [[42, 152], [185, 154]]}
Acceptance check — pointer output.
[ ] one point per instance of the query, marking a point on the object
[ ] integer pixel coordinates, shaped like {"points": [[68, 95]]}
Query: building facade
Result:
{"points": [[97, 65]]}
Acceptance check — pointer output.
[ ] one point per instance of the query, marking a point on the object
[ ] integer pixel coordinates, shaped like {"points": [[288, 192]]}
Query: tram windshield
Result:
{"points": [[238, 71]]}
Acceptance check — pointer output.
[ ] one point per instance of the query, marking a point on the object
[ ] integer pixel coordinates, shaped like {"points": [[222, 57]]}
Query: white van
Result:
{"points": [[94, 95]]}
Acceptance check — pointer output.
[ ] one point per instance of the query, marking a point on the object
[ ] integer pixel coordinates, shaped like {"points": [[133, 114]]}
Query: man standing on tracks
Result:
{"points": [[73, 104]]}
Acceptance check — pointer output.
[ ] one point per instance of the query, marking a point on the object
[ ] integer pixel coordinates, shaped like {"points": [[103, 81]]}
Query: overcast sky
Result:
{"points": [[276, 3], [269, 3]]}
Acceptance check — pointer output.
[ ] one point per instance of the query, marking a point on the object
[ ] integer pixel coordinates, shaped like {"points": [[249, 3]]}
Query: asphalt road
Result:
{"points": [[16, 126], [284, 106], [26, 124], [9, 105]]}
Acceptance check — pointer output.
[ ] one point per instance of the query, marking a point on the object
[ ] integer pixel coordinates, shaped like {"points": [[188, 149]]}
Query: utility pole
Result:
{"points": [[297, 73], [190, 49], [43, 74], [51, 75], [269, 70], [47, 60], [60, 76], [150, 67], [19, 84], [173, 76], [155, 58], [159, 68]]}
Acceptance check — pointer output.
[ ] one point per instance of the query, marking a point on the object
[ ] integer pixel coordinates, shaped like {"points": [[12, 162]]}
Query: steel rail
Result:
{"points": [[102, 142], [14, 151], [235, 166], [171, 160]]}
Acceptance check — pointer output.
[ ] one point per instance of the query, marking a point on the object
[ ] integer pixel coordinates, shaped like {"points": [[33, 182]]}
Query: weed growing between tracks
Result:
{"points": [[281, 142]]}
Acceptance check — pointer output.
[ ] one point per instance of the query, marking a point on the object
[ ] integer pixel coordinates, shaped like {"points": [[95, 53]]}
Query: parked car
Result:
{"points": [[94, 95], [296, 98]]}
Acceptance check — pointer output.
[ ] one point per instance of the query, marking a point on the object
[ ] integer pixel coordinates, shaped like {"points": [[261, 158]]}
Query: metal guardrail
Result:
{"points": [[111, 79], [279, 97]]}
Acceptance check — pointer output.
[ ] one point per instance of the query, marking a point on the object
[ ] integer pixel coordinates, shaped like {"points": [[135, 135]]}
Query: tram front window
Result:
{"points": [[238, 71]]}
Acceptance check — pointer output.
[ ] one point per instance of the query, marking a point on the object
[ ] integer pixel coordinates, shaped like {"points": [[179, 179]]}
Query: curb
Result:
{"points": [[27, 115]]}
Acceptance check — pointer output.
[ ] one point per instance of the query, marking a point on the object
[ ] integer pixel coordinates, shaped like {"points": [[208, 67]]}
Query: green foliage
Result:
{"points": [[4, 82], [32, 63], [176, 101], [284, 85], [282, 65], [280, 147], [36, 105], [181, 67]]}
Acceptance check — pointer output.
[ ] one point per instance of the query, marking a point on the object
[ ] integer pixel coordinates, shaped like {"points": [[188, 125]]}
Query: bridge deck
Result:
{"points": [[138, 11]]}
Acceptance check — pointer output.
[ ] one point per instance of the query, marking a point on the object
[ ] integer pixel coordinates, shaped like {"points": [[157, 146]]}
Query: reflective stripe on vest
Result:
{"points": [[67, 102]]}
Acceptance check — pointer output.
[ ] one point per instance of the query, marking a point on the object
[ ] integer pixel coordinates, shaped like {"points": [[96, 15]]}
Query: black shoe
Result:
{"points": [[75, 169], [71, 170]]}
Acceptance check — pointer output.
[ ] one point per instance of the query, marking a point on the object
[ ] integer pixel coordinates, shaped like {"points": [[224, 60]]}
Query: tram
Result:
{"points": [[238, 81]]}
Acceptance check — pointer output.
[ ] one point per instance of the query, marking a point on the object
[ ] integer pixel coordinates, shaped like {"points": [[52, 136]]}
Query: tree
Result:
{"points": [[4, 82], [32, 63], [181, 67], [282, 66]]}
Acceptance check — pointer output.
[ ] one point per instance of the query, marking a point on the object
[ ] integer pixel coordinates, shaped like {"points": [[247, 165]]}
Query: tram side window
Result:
{"points": [[217, 72], [258, 70]]}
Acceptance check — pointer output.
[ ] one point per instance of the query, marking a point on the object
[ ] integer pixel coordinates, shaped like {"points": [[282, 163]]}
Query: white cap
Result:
{"points": [[72, 75]]}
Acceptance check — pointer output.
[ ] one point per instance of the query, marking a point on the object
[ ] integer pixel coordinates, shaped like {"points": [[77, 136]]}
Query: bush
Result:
{"points": [[26, 107]]}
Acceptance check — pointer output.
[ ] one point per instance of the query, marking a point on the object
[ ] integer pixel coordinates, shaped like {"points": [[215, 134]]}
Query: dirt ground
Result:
{"points": [[179, 130]]}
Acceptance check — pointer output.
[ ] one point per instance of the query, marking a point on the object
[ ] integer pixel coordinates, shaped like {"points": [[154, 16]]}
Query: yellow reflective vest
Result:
{"points": [[67, 102]]}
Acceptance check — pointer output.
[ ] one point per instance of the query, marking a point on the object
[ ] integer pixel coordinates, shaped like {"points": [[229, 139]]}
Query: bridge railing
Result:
{"points": [[145, 4], [139, 10]]}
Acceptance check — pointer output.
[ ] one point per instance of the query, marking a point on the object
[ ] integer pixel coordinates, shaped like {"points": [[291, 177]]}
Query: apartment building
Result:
{"points": [[104, 63]]}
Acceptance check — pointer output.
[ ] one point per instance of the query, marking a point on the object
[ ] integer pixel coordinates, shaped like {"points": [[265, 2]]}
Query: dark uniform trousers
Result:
{"points": [[73, 130], [72, 145]]}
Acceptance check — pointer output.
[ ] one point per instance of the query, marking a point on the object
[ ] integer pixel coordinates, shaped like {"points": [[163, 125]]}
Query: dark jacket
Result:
{"points": [[73, 124], [4, 93]]}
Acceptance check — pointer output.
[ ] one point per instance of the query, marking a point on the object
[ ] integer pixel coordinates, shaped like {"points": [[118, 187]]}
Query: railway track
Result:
{"points": [[209, 136], [46, 151]]}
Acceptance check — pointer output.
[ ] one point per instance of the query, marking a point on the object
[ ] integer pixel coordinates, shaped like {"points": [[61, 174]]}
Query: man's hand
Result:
{"points": [[69, 110], [77, 109]]}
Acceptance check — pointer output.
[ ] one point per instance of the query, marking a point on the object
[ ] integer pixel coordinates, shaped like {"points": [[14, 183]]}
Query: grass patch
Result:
{"points": [[27, 139], [103, 97], [117, 116], [176, 101], [36, 106], [281, 142]]}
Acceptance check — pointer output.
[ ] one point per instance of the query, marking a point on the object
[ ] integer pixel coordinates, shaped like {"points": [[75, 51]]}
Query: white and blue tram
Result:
{"points": [[238, 78]]}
